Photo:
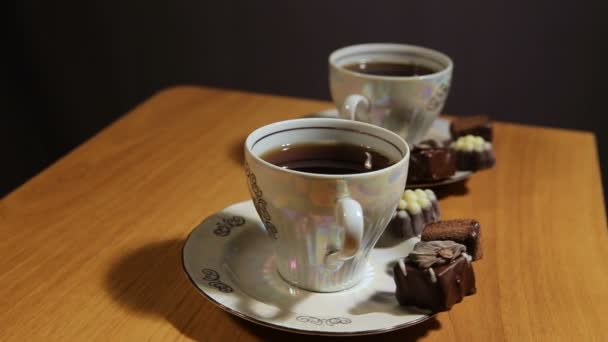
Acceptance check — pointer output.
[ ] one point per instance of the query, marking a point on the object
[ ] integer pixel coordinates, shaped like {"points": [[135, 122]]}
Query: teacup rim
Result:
{"points": [[397, 47], [404, 159]]}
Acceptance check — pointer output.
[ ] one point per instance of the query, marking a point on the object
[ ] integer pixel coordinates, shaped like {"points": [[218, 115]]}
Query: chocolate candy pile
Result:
{"points": [[469, 149], [438, 273]]}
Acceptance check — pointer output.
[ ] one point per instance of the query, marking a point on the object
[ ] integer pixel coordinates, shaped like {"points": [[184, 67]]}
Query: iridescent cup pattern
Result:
{"points": [[406, 105], [299, 210]]}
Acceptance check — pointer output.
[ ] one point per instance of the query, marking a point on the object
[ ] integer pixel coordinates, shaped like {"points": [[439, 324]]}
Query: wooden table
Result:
{"points": [[90, 248]]}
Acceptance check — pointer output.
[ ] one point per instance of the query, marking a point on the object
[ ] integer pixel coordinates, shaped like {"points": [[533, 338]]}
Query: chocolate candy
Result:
{"points": [[464, 231], [415, 210], [429, 162], [479, 125], [473, 153], [435, 276]]}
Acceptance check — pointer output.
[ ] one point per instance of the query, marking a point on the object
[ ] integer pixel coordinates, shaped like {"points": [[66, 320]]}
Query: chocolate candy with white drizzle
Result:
{"points": [[415, 210], [473, 153], [434, 276]]}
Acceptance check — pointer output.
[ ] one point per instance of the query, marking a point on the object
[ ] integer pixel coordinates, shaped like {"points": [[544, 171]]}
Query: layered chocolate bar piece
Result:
{"points": [[434, 276], [415, 209], [463, 231], [473, 153], [429, 162], [479, 125]]}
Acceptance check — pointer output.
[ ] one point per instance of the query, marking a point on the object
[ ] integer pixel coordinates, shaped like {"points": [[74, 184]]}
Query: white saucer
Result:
{"points": [[230, 261], [439, 131], [457, 177]]}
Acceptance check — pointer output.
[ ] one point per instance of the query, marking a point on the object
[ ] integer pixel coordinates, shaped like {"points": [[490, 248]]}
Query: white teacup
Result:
{"points": [[406, 105], [324, 226]]}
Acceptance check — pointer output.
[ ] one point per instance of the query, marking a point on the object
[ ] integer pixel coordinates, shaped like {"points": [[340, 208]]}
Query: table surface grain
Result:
{"points": [[90, 248]]}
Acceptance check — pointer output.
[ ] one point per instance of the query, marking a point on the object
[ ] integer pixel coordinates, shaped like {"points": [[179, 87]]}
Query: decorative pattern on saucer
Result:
{"points": [[225, 226], [238, 274], [321, 321], [214, 280], [259, 202]]}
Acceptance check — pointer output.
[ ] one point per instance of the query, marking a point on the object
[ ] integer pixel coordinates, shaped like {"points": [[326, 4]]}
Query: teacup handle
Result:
{"points": [[356, 107], [349, 216]]}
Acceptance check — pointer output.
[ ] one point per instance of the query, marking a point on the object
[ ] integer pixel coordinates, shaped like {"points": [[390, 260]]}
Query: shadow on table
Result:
{"points": [[236, 151], [150, 281]]}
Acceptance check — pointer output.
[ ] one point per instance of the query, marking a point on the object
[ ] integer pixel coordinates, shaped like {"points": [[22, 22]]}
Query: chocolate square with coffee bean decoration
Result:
{"points": [[436, 275]]}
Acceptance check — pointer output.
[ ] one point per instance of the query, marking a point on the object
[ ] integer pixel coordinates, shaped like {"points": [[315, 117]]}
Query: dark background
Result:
{"points": [[76, 66]]}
